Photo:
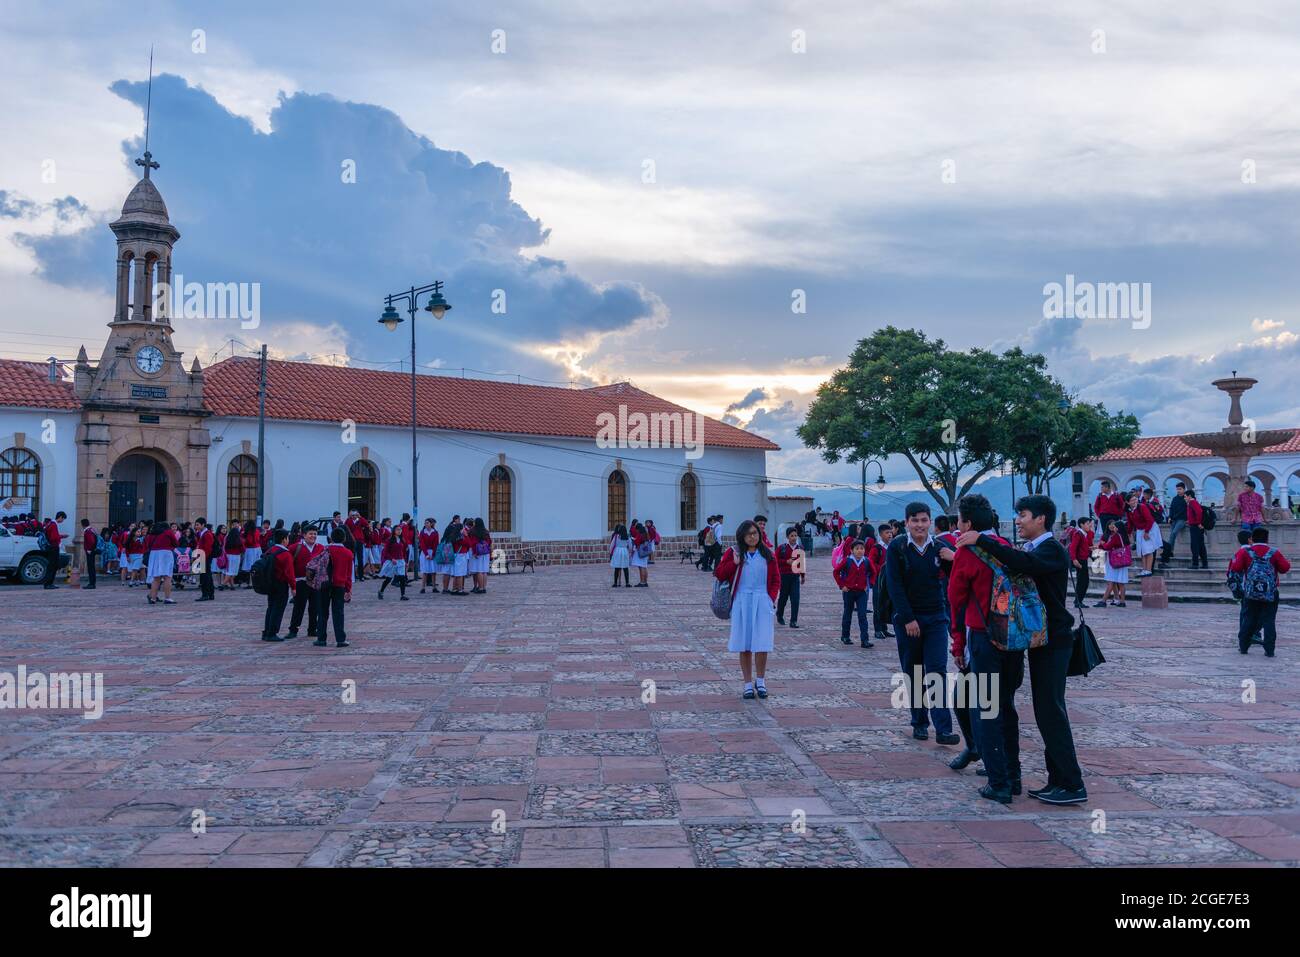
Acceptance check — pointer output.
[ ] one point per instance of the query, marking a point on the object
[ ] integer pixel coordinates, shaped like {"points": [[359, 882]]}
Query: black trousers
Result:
{"points": [[854, 601], [878, 620], [789, 593], [1047, 668], [358, 552], [277, 600], [963, 710], [999, 674], [1199, 554], [1257, 615], [331, 602], [205, 580], [304, 599], [1081, 582], [51, 565], [91, 560]]}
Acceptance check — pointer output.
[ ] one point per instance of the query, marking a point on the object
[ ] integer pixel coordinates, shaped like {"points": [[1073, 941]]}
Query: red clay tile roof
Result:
{"points": [[28, 384], [1173, 447], [316, 393]]}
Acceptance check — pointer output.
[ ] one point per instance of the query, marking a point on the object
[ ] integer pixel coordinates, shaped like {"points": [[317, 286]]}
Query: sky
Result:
{"points": [[648, 190]]}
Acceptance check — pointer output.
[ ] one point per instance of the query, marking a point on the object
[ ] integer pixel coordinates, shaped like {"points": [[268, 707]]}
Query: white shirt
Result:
{"points": [[1030, 546], [920, 549]]}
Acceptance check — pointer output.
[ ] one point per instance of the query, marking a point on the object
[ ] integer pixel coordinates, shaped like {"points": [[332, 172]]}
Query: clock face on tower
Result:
{"points": [[149, 359]]}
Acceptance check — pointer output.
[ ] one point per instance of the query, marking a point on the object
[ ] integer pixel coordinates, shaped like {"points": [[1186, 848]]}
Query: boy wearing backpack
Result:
{"points": [[277, 588], [991, 728], [1260, 565], [854, 580], [305, 595], [1045, 560]]}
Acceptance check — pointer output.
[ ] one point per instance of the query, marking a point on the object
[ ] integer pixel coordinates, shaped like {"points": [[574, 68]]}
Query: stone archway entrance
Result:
{"points": [[138, 490]]}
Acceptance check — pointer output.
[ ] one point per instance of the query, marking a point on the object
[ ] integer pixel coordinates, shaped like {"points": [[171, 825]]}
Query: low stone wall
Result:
{"points": [[591, 551]]}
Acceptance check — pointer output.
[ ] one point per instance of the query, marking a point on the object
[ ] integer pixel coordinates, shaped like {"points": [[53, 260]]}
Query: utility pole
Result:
{"points": [[261, 440]]}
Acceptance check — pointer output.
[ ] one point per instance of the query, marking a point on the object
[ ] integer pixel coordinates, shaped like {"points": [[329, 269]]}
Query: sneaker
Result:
{"points": [[293, 633], [793, 625], [169, 601], [921, 734], [780, 619], [992, 794], [319, 643], [1121, 604], [846, 639], [868, 644], [949, 738], [1035, 792], [272, 638], [342, 644], [1060, 795]]}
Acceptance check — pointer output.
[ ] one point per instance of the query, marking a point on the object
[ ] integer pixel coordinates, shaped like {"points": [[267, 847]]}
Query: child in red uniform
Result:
{"points": [[461, 549], [1259, 613], [277, 599], [338, 592], [304, 595], [480, 556], [161, 543], [428, 553], [1080, 553], [854, 581], [234, 552], [786, 555], [394, 561]]}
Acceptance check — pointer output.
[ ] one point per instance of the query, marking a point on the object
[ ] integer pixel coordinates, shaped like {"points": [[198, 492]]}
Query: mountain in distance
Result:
{"points": [[890, 503]]}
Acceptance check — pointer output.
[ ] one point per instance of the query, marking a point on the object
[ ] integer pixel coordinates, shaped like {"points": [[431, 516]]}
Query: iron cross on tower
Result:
{"points": [[147, 160]]}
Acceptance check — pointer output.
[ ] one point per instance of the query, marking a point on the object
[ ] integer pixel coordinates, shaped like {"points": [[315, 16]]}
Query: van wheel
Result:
{"points": [[32, 570]]}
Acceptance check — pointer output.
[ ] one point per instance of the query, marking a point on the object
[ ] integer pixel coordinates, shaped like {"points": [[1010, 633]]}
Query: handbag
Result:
{"points": [[1086, 653], [1121, 557], [720, 600]]}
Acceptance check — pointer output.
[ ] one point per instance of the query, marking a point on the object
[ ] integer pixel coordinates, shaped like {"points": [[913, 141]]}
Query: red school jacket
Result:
{"points": [[1080, 546], [206, 541], [51, 530], [1142, 518], [394, 549], [853, 576], [428, 542], [463, 544], [729, 570], [1112, 505], [341, 560], [970, 586], [302, 554], [164, 541], [1241, 561]]}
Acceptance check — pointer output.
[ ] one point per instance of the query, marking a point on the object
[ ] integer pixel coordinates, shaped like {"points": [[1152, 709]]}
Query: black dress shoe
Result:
{"points": [[921, 734], [1015, 787], [1035, 792], [946, 738], [846, 639], [780, 619], [1062, 796], [993, 794], [343, 644], [272, 638], [966, 757], [868, 644], [319, 643], [793, 625]]}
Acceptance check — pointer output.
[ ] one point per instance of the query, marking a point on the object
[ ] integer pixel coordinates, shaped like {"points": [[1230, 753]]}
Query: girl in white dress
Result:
{"points": [[1116, 578], [480, 556], [755, 582], [620, 552], [642, 548]]}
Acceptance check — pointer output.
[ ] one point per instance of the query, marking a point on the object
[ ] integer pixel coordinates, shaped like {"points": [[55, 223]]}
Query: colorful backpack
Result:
{"points": [[1017, 620], [1260, 583], [444, 554], [318, 570]]}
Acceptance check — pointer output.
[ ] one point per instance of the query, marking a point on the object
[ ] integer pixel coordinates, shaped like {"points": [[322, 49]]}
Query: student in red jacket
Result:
{"points": [[1146, 534], [162, 543], [1109, 504], [233, 550], [305, 597], [970, 587], [1080, 549], [480, 555], [205, 542], [460, 549], [52, 550], [339, 591], [761, 522], [854, 581], [1195, 528], [282, 581], [89, 550], [1259, 613], [393, 555], [787, 555], [755, 579], [876, 556], [428, 555]]}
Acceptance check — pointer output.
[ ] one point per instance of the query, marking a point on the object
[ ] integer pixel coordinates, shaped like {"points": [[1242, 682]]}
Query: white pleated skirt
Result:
{"points": [[428, 566], [460, 565], [135, 562], [480, 564], [753, 622], [393, 568], [161, 564], [1149, 541], [251, 555]]}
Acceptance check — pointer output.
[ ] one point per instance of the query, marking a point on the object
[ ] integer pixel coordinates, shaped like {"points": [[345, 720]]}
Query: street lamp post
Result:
{"points": [[437, 306], [880, 482]]}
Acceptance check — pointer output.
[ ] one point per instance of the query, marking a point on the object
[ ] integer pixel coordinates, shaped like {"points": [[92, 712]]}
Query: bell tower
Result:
{"points": [[143, 438]]}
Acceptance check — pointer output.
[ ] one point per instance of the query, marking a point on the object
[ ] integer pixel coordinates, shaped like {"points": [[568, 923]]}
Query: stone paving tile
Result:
{"points": [[601, 803], [537, 713], [768, 845], [430, 847]]}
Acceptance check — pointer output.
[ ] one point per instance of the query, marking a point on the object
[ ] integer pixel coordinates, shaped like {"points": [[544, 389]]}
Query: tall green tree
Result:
{"points": [[954, 416]]}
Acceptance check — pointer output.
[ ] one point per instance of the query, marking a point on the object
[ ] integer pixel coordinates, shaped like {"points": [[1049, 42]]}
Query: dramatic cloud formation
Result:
{"points": [[339, 204]]}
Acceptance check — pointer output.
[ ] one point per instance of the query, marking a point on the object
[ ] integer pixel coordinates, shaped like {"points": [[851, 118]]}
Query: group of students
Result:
{"points": [[933, 583], [633, 547]]}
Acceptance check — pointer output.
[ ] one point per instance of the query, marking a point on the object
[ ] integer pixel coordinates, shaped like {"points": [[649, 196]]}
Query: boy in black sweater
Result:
{"points": [[912, 575], [1045, 560]]}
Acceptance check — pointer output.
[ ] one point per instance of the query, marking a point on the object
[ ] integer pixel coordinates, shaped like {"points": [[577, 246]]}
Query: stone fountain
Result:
{"points": [[1237, 444]]}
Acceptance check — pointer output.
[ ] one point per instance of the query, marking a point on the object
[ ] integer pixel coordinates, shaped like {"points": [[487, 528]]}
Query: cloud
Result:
{"points": [[1265, 325], [753, 398], [278, 209]]}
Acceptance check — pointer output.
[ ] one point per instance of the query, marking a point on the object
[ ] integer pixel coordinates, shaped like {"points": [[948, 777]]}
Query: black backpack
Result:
{"points": [[1208, 518], [262, 574], [699, 539]]}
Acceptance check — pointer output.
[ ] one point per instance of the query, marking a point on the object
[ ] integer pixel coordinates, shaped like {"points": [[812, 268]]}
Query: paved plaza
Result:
{"points": [[524, 710]]}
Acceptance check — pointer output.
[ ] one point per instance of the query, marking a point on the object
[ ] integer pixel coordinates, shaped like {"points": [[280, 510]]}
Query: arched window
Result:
{"points": [[500, 499], [617, 495], [241, 489], [20, 477], [363, 489], [689, 503]]}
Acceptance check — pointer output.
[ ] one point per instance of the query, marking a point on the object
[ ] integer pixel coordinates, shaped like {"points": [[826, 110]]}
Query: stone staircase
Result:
{"points": [[1185, 584]]}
